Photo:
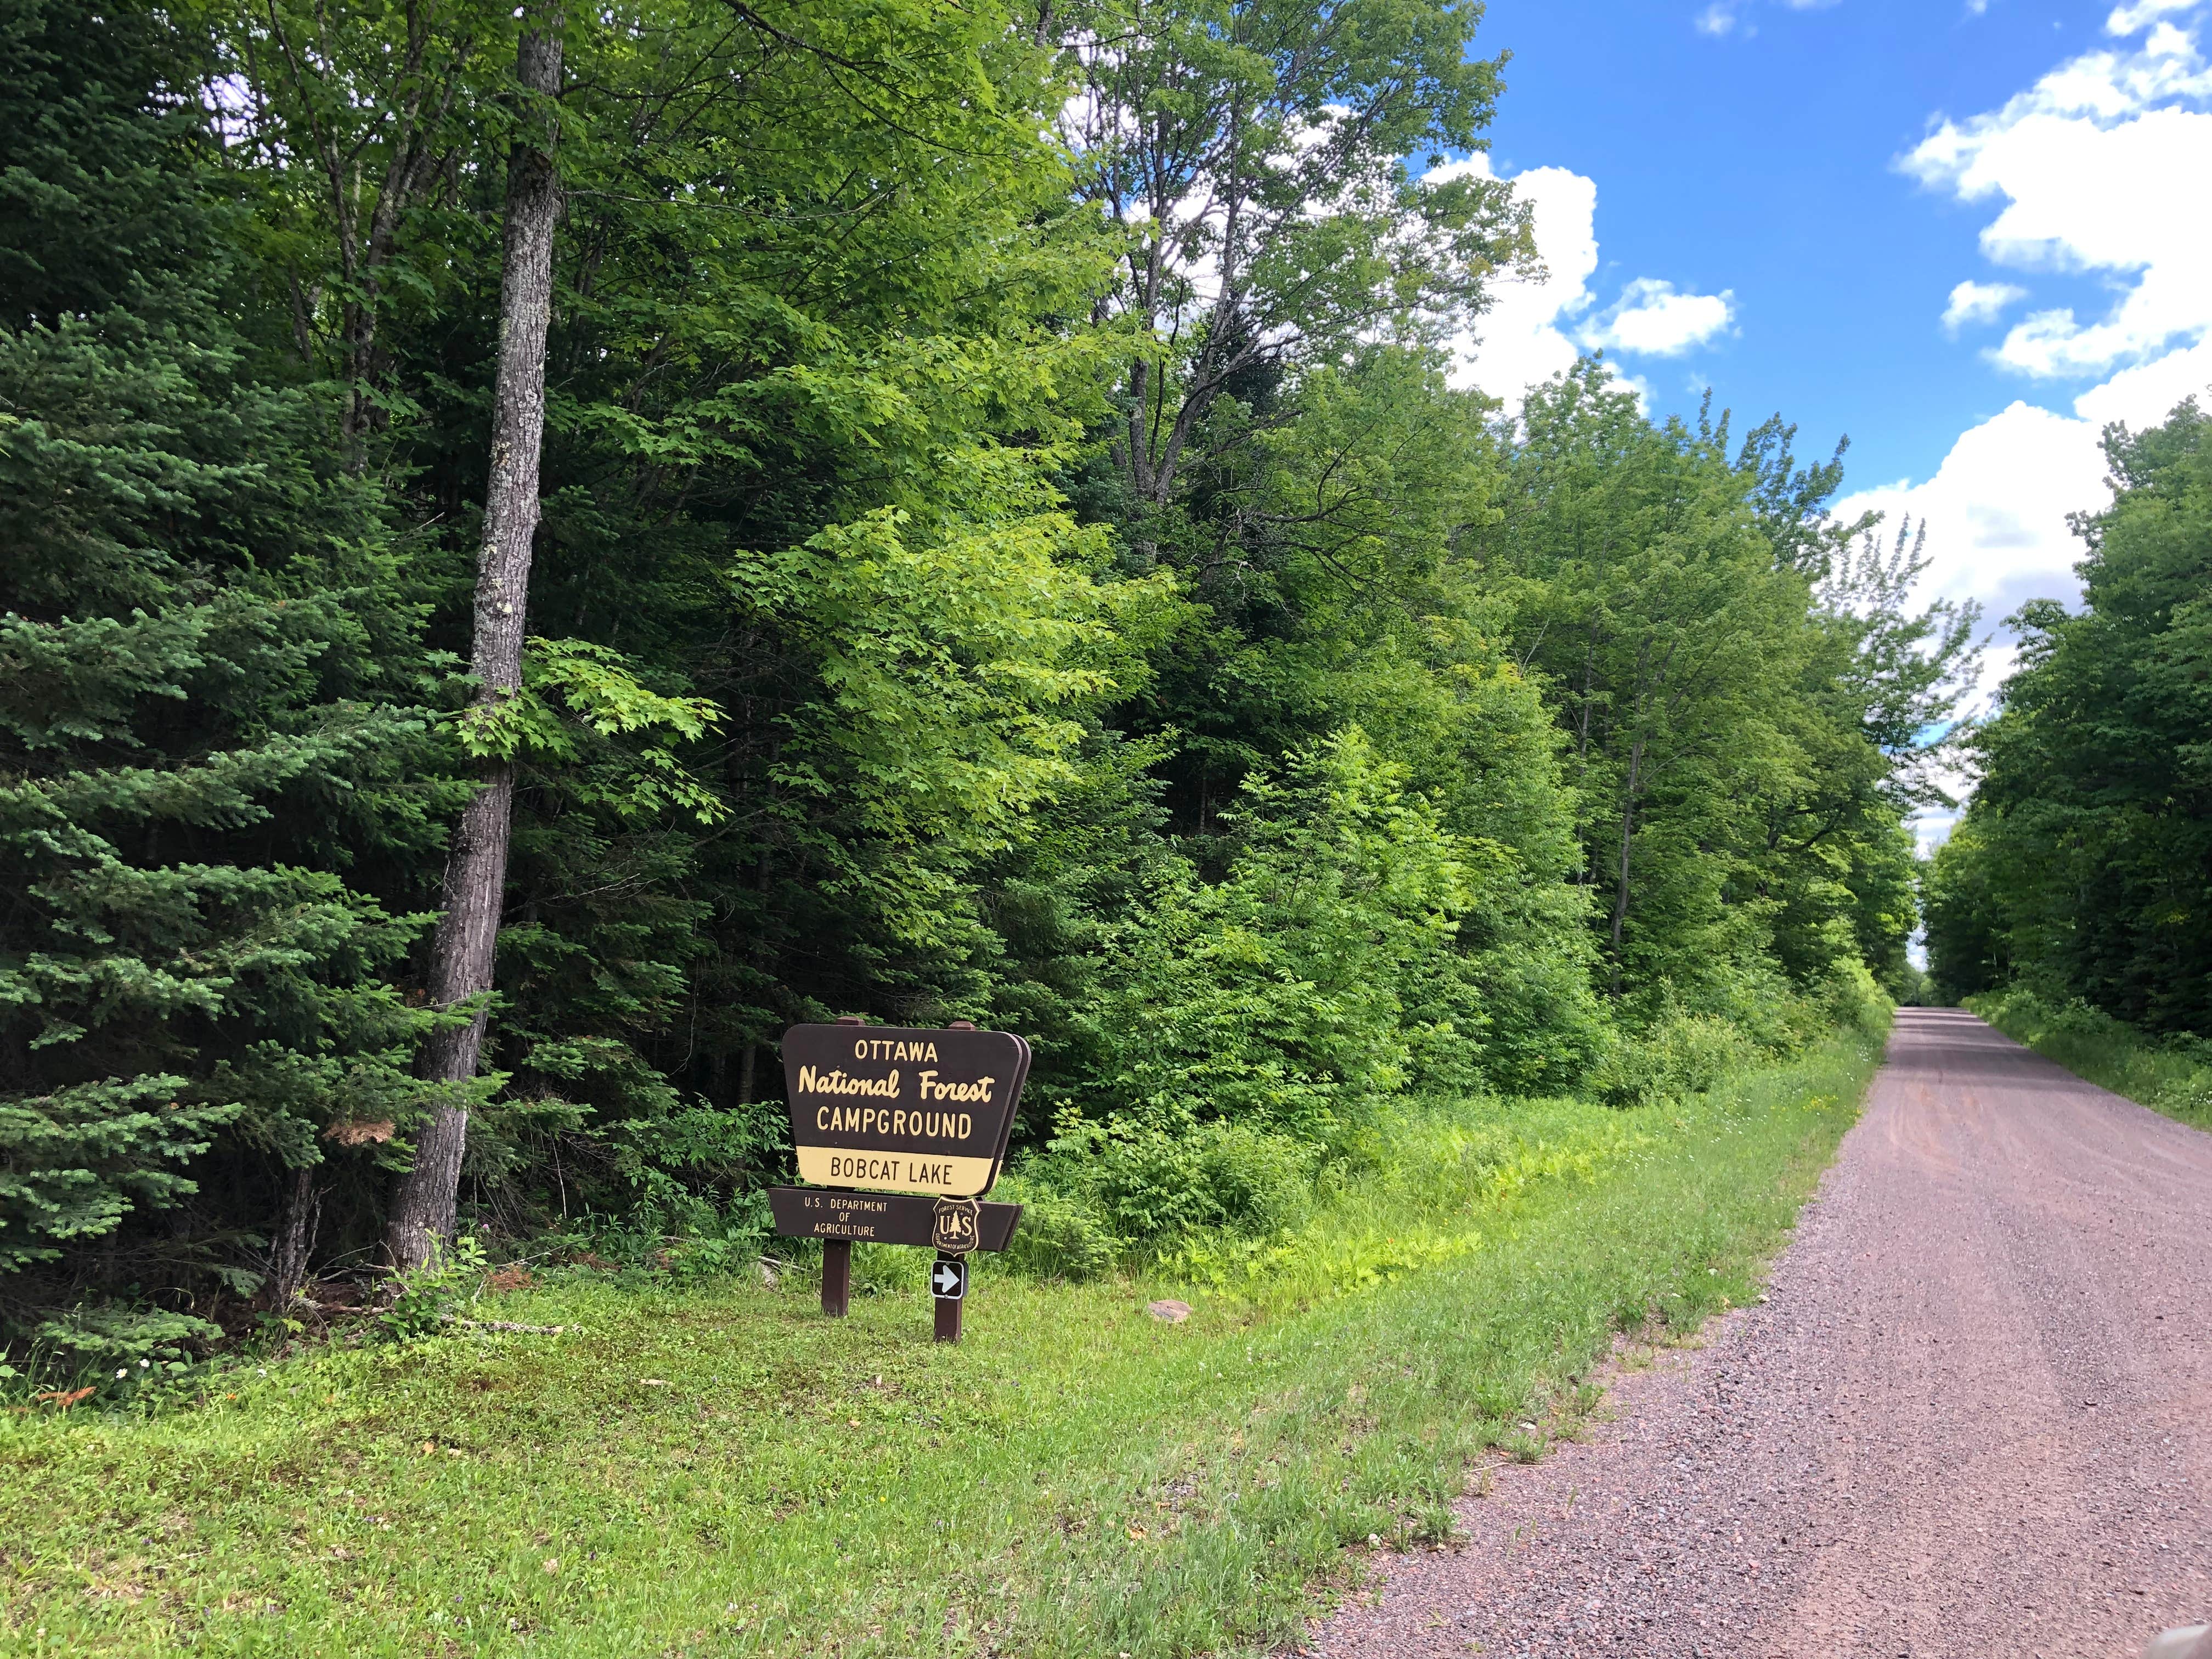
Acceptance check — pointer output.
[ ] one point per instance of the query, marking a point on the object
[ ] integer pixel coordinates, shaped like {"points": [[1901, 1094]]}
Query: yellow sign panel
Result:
{"points": [[895, 1172]]}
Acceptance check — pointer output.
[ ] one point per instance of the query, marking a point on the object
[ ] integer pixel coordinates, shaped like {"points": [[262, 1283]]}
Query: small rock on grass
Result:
{"points": [[1169, 1312]]}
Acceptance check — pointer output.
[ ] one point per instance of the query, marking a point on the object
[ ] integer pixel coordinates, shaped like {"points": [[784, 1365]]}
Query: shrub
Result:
{"points": [[1852, 1000], [1276, 996], [423, 1299], [1105, 1191], [1682, 1054], [1154, 1182], [124, 1352], [1060, 1235], [2189, 1098]]}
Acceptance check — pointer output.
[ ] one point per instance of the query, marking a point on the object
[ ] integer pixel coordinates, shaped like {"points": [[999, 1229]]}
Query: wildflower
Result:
{"points": [[123, 1370], [143, 1364]]}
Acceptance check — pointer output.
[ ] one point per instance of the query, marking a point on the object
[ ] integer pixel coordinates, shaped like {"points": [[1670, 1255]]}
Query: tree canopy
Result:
{"points": [[1008, 548], [2084, 864]]}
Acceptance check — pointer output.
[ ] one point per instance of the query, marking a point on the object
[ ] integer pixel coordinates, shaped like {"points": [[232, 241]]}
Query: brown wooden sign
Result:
{"points": [[903, 1109], [892, 1218], [908, 1128]]}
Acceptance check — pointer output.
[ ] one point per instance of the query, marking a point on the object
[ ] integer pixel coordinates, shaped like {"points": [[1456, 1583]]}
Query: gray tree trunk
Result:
{"points": [[296, 1240], [424, 1200], [1627, 841]]}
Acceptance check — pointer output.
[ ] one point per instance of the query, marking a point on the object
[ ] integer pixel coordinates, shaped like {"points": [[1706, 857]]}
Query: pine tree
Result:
{"points": [[206, 684]]}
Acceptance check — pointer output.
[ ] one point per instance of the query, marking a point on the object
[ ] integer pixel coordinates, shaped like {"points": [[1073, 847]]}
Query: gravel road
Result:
{"points": [[1974, 1416]]}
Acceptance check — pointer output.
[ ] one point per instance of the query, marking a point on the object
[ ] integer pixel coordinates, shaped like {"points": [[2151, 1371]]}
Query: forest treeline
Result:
{"points": [[2081, 871], [1011, 549]]}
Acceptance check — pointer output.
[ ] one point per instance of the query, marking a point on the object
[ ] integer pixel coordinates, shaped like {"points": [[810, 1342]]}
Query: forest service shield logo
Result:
{"points": [[958, 1225]]}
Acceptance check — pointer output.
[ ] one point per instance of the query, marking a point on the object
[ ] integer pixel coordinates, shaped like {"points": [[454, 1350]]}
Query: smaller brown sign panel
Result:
{"points": [[901, 1108], [881, 1217]]}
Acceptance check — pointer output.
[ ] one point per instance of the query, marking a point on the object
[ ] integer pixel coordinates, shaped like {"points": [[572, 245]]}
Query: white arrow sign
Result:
{"points": [[948, 1280]]}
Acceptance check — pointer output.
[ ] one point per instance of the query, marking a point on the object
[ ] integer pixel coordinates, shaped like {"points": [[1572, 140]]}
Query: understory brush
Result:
{"points": [[1441, 1172], [1221, 1198], [2172, 1075], [651, 1463]]}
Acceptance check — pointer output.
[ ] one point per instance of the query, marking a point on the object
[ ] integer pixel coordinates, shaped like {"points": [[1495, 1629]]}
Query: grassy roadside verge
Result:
{"points": [[719, 1470], [2172, 1078]]}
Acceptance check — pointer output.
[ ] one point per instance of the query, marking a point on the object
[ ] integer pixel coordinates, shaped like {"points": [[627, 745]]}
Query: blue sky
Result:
{"points": [[1762, 161], [1784, 201]]}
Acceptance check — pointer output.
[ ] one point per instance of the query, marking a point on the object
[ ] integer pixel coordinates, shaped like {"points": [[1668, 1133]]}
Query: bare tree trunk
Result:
{"points": [[296, 1240], [424, 1200], [756, 953], [1627, 840]]}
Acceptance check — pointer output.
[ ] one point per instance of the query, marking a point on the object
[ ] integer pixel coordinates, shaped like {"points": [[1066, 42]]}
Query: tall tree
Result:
{"points": [[1746, 698], [2084, 866], [365, 116], [424, 1198], [211, 752], [1648, 597], [1880, 691], [1253, 153]]}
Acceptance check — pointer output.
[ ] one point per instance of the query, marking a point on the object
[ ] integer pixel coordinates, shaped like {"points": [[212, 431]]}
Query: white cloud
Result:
{"points": [[1725, 17], [2128, 20], [1651, 319], [1975, 302], [1519, 341], [2090, 163], [1535, 330], [1929, 831], [2144, 395], [2090, 169], [1995, 509]]}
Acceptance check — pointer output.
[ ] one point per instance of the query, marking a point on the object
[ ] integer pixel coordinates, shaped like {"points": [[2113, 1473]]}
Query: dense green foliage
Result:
{"points": [[211, 748], [1743, 692], [1010, 551], [2083, 869]]}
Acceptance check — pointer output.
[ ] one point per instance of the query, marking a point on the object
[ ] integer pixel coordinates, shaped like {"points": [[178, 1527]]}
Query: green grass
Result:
{"points": [[720, 1469], [2172, 1077]]}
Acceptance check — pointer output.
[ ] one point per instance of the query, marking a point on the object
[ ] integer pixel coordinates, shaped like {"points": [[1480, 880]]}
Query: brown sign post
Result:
{"points": [[899, 1131]]}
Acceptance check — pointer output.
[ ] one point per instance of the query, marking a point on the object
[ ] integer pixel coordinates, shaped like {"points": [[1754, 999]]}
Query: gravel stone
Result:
{"points": [[1973, 1416]]}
